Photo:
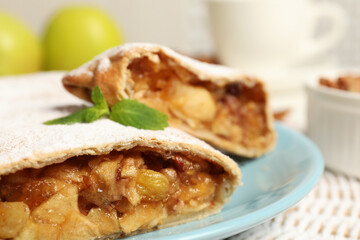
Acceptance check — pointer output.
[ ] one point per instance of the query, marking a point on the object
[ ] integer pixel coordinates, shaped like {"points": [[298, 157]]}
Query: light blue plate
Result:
{"points": [[272, 184]]}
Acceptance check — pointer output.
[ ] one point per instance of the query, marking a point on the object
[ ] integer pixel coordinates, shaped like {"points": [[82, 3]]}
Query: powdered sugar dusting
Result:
{"points": [[83, 69], [104, 64], [28, 101], [203, 69]]}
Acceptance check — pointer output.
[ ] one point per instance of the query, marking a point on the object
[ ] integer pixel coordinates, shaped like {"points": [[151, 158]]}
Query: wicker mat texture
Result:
{"points": [[331, 211]]}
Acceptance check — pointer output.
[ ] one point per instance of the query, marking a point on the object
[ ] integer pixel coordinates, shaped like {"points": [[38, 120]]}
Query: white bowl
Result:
{"points": [[334, 125]]}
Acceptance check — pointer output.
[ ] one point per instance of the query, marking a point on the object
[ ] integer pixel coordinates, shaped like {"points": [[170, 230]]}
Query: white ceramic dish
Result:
{"points": [[333, 123]]}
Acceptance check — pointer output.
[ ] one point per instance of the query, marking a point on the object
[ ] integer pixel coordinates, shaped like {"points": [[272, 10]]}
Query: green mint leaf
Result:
{"points": [[98, 98], [86, 115], [133, 113], [126, 112]]}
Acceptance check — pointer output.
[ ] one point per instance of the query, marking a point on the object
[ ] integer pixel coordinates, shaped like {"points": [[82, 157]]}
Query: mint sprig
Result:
{"points": [[127, 112], [86, 115], [130, 112]]}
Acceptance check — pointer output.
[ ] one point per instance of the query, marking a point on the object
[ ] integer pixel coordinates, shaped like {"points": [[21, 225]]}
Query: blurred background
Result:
{"points": [[285, 42], [179, 24]]}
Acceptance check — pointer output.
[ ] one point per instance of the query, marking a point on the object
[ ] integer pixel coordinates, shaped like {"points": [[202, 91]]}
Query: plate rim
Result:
{"points": [[224, 229]]}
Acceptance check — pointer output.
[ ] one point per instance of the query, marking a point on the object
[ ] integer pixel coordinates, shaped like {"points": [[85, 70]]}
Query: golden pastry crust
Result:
{"points": [[27, 145], [118, 193], [220, 105]]}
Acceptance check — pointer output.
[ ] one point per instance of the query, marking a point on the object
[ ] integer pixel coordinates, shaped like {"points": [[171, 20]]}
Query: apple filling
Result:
{"points": [[234, 112], [91, 196]]}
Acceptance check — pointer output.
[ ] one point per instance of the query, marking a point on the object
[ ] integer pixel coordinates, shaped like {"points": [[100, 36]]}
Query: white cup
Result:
{"points": [[272, 34]]}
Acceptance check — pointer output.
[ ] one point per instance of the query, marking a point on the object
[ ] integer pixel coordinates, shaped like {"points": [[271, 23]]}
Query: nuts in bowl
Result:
{"points": [[346, 82], [334, 121]]}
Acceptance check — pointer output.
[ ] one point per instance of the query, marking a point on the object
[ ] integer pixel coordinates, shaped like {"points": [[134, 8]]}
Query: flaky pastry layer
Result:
{"points": [[222, 106]]}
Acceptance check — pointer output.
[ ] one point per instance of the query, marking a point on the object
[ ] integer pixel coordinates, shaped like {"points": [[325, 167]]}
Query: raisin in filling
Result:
{"points": [[122, 191]]}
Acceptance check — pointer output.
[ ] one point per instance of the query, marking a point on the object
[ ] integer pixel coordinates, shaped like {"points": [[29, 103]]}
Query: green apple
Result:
{"points": [[77, 34], [20, 50]]}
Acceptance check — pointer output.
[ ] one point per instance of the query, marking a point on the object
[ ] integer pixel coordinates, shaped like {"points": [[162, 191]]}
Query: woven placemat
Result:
{"points": [[330, 211]]}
